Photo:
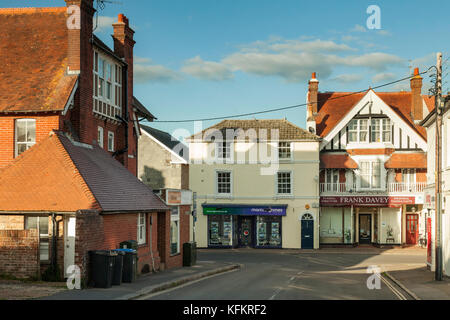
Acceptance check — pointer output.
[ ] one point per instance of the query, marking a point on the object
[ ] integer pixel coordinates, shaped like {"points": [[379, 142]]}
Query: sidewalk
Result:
{"points": [[420, 281], [148, 283]]}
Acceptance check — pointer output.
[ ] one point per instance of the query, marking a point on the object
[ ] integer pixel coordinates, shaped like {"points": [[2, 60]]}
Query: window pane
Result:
{"points": [[284, 182], [174, 237], [44, 249], [21, 131], [363, 130], [31, 223], [284, 150], [31, 131], [43, 225], [352, 136]]}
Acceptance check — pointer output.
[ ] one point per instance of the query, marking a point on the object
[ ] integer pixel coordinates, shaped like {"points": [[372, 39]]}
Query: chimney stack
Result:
{"points": [[416, 96], [79, 32], [313, 90]]}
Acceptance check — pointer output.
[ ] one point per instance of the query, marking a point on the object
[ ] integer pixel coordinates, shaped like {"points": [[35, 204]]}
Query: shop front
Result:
{"points": [[252, 226], [377, 220]]}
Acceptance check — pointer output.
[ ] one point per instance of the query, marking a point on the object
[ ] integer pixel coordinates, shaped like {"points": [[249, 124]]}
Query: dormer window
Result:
{"points": [[380, 130], [358, 130]]}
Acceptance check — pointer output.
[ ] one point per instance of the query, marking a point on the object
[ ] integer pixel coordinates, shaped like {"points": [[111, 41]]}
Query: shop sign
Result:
{"points": [[372, 201], [173, 197], [245, 210]]}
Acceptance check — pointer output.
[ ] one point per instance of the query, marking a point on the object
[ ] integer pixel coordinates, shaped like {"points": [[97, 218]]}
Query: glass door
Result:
{"points": [[365, 228]]}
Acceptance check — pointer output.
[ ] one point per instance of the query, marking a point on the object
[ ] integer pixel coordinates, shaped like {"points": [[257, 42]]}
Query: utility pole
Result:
{"points": [[438, 170]]}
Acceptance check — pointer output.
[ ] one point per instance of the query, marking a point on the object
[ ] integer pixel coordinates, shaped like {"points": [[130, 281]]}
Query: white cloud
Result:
{"points": [[384, 33], [384, 77], [145, 72], [348, 78], [207, 70], [358, 28], [104, 23]]}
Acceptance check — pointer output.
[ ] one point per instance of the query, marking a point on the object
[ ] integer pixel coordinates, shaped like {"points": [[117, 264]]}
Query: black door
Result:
{"points": [[307, 234], [365, 228], [246, 231]]}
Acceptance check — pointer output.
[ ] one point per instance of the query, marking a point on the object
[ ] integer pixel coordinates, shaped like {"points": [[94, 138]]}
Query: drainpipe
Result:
{"points": [[124, 120]]}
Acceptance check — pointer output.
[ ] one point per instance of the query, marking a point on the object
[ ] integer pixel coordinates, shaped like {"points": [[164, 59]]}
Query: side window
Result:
{"points": [[25, 135], [100, 136]]}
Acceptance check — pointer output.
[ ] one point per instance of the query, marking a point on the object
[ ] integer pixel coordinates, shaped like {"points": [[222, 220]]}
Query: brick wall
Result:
{"points": [[19, 252], [12, 222]]}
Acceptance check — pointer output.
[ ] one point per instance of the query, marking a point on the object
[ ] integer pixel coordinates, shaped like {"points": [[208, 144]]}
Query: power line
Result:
{"points": [[289, 107]]}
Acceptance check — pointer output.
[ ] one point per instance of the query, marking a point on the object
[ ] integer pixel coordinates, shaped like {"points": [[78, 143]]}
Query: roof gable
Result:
{"points": [[33, 50], [168, 142]]}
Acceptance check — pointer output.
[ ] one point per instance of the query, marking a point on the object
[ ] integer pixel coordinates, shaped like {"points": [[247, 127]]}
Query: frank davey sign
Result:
{"points": [[370, 201]]}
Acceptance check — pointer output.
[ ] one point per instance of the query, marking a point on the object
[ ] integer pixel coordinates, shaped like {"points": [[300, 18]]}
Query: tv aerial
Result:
{"points": [[101, 4]]}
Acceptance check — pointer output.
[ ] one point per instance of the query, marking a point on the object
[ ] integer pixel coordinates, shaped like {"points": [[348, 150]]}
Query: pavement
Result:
{"points": [[148, 283]]}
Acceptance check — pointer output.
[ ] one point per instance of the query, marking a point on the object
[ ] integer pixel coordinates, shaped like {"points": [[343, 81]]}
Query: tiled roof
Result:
{"points": [[337, 161], [286, 130], [33, 54], [142, 111], [407, 161], [333, 106], [165, 138], [59, 175]]}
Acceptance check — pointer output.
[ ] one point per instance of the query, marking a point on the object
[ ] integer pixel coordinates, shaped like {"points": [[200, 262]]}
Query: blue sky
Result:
{"points": [[207, 58]]}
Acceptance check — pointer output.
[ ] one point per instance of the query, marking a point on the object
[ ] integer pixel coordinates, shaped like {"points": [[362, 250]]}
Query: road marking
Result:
{"points": [[399, 295], [287, 284]]}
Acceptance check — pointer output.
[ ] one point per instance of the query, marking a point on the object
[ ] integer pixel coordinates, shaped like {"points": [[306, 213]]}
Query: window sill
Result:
{"points": [[175, 254]]}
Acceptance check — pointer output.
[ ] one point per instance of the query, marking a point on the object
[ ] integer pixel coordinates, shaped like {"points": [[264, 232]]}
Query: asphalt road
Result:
{"points": [[278, 274]]}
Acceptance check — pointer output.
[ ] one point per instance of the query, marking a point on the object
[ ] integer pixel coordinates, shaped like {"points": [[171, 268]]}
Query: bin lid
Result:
{"points": [[125, 250]]}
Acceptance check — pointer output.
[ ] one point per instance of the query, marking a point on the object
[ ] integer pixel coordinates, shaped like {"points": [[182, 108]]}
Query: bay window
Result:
{"points": [[370, 175]]}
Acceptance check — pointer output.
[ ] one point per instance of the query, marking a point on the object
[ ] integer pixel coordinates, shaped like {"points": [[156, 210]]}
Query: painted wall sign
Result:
{"points": [[372, 201], [244, 210], [173, 197]]}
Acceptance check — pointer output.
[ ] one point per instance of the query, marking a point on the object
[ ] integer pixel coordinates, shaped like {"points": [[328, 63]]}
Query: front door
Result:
{"points": [[365, 228], [246, 231], [307, 229], [412, 232], [69, 243]]}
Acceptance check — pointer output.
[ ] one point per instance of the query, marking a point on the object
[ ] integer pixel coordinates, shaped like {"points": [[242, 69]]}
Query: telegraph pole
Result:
{"points": [[438, 170]]}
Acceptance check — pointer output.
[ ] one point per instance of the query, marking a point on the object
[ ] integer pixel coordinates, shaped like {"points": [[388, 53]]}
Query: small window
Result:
{"points": [[25, 135], [174, 230], [141, 228], [42, 222], [223, 150], [284, 150], [110, 141], [284, 183], [224, 182], [100, 136]]}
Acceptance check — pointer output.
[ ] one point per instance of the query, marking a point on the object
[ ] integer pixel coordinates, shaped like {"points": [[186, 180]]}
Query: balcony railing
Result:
{"points": [[397, 187], [400, 187]]}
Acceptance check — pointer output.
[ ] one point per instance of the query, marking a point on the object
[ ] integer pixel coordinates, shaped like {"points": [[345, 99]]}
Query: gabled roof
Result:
{"points": [[58, 175], [286, 129], [168, 141], [334, 106], [33, 54], [142, 111]]}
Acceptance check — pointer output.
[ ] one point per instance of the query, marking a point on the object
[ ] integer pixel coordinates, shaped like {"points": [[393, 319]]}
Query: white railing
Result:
{"points": [[334, 188], [401, 187]]}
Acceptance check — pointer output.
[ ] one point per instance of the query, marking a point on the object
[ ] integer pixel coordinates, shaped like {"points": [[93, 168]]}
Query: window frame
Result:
{"points": [[218, 172], [287, 147], [291, 183], [142, 226], [100, 136], [220, 147], [175, 218], [42, 236], [111, 146], [28, 144], [371, 175]]}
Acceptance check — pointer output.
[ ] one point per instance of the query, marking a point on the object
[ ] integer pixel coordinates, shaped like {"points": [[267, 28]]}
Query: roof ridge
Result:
{"points": [[87, 191], [29, 10]]}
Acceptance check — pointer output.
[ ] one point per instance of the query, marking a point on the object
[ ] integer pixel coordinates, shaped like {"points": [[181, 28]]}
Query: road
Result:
{"points": [[287, 275]]}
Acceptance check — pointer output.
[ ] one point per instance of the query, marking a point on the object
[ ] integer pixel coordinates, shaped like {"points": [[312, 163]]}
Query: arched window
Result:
{"points": [[307, 216]]}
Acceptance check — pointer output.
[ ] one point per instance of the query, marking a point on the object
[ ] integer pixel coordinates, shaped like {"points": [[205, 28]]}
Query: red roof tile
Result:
{"points": [[33, 51], [57, 175], [407, 161], [337, 161]]}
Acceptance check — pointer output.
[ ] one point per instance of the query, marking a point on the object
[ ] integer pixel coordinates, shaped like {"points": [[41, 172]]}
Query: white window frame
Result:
{"points": [[42, 236], [217, 183], [111, 141], [222, 146], [371, 175], [291, 176], [142, 228], [176, 218], [380, 131], [410, 175], [28, 144], [358, 131], [100, 136], [288, 147]]}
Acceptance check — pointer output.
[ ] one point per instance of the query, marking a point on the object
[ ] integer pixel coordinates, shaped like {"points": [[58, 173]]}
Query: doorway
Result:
{"points": [[412, 230], [307, 229], [246, 231], [365, 228], [69, 243]]}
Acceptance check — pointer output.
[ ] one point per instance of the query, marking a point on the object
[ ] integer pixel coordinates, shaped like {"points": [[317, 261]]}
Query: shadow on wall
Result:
{"points": [[153, 178]]}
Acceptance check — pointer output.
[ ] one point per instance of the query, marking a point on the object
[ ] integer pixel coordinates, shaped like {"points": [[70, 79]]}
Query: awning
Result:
{"points": [[407, 161], [337, 161], [244, 209]]}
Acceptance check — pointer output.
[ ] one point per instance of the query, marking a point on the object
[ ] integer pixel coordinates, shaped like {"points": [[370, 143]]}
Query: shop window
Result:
{"points": [[268, 231], [25, 135], [220, 230], [42, 222], [175, 230]]}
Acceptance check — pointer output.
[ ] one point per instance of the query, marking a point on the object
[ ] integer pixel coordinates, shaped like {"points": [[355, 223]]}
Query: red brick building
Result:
{"points": [[68, 133], [373, 164]]}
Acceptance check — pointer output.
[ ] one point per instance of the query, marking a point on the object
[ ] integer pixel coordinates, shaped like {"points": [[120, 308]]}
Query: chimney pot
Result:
{"points": [[120, 17]]}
